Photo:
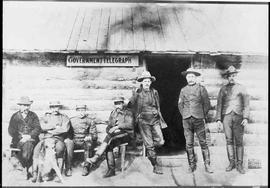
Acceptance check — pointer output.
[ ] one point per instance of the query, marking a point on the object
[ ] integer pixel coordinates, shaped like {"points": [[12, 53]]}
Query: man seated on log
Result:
{"points": [[85, 135], [24, 129], [57, 126], [120, 130]]}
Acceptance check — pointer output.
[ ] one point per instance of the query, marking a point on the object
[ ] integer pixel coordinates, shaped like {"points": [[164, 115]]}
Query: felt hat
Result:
{"points": [[146, 74], [230, 70], [25, 100], [81, 106], [192, 71], [119, 99], [55, 103]]}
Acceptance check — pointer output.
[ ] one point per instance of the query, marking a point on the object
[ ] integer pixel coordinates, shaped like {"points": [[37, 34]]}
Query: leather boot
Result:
{"points": [[102, 148], [86, 165], [111, 165], [157, 169], [230, 153], [191, 160], [206, 158], [35, 171], [240, 155]]}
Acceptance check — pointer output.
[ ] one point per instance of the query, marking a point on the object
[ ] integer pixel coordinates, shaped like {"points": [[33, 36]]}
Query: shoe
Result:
{"points": [[231, 166], [208, 168], [240, 168], [206, 158], [109, 173], [34, 178], [68, 172], [192, 168], [85, 171], [157, 169], [29, 175]]}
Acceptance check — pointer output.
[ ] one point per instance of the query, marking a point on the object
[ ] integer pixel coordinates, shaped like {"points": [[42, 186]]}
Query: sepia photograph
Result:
{"points": [[134, 93]]}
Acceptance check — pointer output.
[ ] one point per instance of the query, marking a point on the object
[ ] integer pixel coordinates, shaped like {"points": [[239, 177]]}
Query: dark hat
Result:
{"points": [[55, 103], [25, 100], [230, 70], [146, 74], [119, 99], [192, 71], [82, 106]]}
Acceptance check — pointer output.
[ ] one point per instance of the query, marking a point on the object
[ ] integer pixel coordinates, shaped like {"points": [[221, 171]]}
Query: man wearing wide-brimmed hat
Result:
{"points": [[119, 130], [146, 106], [233, 111], [84, 135], [24, 128], [194, 105], [57, 126]]}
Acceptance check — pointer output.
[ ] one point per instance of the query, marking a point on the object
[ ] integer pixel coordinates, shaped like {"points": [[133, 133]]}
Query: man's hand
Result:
{"points": [[244, 122], [113, 129], [87, 138], [25, 138], [219, 126]]}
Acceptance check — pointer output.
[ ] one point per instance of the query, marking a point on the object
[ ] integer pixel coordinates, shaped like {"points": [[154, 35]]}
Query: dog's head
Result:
{"points": [[48, 147]]}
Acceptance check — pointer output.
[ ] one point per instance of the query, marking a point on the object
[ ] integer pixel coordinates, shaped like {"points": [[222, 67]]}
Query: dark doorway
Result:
{"points": [[167, 70]]}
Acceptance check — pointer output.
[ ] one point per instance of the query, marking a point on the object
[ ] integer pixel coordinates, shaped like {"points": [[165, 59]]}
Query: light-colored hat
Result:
{"points": [[230, 70], [82, 106], [25, 100], [146, 74], [119, 99], [192, 71], [55, 103]]}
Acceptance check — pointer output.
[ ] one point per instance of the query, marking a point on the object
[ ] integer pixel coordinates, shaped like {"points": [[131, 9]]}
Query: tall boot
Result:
{"points": [[191, 160], [231, 157], [35, 171], [206, 158], [240, 155], [86, 165], [102, 148], [157, 169], [111, 165]]}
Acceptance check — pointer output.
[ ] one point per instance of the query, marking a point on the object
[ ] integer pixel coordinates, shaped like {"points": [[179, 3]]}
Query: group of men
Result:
{"points": [[142, 112]]}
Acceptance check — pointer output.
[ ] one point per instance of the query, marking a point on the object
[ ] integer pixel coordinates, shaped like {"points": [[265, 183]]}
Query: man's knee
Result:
{"points": [[59, 148], [239, 142], [27, 150]]}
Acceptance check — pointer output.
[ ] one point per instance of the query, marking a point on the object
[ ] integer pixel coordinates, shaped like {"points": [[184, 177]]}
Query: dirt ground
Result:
{"points": [[138, 172]]}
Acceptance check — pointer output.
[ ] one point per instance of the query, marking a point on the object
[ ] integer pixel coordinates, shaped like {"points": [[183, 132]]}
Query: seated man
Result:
{"points": [[24, 129], [54, 125], [84, 136], [120, 130]]}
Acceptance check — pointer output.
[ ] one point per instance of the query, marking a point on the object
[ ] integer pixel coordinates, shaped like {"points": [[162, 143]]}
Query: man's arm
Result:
{"points": [[13, 128], [37, 129], [245, 103], [93, 130], [128, 123], [219, 104], [181, 102], [206, 101], [63, 128]]}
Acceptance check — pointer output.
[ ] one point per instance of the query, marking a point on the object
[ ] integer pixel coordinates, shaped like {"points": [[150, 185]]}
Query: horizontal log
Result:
{"points": [[253, 104], [251, 128], [218, 139], [259, 116]]}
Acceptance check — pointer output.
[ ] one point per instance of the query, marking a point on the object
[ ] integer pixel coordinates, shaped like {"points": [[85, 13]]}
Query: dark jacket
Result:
{"points": [[136, 104], [19, 126], [194, 101], [82, 127], [232, 98], [123, 119]]}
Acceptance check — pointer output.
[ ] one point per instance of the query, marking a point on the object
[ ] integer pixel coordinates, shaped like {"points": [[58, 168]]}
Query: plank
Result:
{"points": [[102, 38], [93, 32], [139, 42], [128, 33]]}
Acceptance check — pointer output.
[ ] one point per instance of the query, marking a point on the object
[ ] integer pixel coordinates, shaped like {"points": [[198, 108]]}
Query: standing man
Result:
{"points": [[120, 130], [233, 110], [57, 126], [145, 102], [24, 129], [85, 135], [194, 105]]}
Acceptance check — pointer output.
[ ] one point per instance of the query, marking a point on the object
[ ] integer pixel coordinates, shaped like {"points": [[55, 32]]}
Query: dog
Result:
{"points": [[47, 160]]}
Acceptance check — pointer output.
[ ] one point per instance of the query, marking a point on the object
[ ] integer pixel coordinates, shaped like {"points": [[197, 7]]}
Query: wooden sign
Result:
{"points": [[103, 60]]}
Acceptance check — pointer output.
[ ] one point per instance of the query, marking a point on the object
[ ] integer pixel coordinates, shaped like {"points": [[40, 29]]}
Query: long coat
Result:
{"points": [[29, 125]]}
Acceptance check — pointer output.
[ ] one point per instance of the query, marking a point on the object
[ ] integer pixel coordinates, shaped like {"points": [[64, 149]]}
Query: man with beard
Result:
{"points": [[194, 105], [120, 130], [233, 110], [24, 129]]}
